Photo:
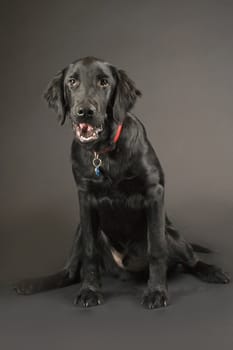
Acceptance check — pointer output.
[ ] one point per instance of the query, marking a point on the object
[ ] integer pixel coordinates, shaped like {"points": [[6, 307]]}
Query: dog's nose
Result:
{"points": [[86, 112]]}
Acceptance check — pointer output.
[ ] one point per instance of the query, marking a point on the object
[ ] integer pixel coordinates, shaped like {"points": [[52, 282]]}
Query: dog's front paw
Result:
{"points": [[87, 298], [154, 299]]}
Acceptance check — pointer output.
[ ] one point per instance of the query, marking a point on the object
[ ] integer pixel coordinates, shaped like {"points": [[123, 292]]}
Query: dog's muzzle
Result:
{"points": [[86, 132]]}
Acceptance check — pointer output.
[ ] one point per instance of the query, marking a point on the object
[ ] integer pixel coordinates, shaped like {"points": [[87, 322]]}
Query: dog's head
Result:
{"points": [[93, 94]]}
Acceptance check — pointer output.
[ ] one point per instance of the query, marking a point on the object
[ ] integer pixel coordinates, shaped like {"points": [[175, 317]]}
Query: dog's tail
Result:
{"points": [[200, 249]]}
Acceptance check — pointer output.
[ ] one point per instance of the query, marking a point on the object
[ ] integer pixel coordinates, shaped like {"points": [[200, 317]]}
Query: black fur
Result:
{"points": [[122, 210]]}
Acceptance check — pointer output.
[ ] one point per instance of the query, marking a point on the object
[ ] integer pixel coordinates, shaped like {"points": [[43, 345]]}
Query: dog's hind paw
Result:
{"points": [[25, 287], [210, 273], [87, 298], [154, 299]]}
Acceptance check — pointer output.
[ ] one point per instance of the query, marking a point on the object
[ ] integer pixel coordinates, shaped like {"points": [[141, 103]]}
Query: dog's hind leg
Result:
{"points": [[67, 276], [209, 273], [181, 252]]}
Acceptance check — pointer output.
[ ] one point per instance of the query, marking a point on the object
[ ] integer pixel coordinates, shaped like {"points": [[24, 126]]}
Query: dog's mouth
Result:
{"points": [[86, 132]]}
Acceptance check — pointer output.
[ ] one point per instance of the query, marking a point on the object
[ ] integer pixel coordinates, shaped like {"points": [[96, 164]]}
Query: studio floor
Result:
{"points": [[200, 316]]}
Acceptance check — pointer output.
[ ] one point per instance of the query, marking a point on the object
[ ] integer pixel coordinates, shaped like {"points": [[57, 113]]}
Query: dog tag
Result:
{"points": [[97, 163], [97, 171]]}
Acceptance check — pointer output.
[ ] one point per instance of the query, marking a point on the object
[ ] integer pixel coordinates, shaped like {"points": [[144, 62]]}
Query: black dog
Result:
{"points": [[121, 190]]}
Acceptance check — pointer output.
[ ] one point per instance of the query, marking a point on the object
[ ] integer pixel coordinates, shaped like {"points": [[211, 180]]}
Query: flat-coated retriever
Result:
{"points": [[123, 222]]}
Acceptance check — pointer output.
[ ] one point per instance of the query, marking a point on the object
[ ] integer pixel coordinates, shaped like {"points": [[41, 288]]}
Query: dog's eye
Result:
{"points": [[72, 82], [103, 82]]}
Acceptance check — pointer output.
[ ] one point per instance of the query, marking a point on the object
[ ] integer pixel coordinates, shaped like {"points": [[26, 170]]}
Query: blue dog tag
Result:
{"points": [[97, 171]]}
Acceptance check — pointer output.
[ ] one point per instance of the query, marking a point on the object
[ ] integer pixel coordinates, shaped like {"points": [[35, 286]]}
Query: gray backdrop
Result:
{"points": [[180, 55]]}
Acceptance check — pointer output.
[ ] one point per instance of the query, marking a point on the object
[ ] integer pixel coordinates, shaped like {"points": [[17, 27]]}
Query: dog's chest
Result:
{"points": [[128, 192], [117, 182], [121, 210]]}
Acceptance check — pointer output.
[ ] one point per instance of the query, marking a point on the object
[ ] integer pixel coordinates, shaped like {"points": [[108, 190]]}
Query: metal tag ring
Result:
{"points": [[97, 162]]}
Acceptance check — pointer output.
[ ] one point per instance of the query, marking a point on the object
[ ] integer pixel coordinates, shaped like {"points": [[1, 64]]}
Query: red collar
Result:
{"points": [[118, 133], [116, 138]]}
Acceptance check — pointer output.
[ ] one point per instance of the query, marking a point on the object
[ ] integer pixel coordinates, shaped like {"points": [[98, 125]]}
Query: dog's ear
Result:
{"points": [[125, 95], [55, 96]]}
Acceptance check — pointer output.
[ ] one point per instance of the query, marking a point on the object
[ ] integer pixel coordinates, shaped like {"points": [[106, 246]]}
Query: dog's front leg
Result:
{"points": [[155, 295], [89, 294]]}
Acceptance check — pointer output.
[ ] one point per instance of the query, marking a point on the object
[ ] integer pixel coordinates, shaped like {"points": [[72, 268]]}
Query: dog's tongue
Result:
{"points": [[86, 130], [85, 127]]}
